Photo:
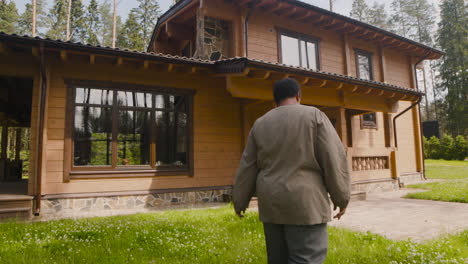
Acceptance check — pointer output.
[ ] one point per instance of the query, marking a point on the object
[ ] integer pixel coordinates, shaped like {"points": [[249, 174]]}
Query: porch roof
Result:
{"points": [[244, 65]]}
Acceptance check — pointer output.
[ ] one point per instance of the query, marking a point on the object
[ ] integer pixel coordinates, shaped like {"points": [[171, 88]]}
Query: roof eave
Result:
{"points": [[168, 14]]}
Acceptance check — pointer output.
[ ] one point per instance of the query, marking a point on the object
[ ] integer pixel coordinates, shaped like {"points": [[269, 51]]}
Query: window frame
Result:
{"points": [[370, 56], [368, 124], [303, 37], [115, 170]]}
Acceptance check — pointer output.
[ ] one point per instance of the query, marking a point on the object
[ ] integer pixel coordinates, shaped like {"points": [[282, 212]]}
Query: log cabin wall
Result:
{"points": [[217, 129]]}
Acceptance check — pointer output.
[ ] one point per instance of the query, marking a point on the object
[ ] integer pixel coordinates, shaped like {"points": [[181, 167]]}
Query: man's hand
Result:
{"points": [[240, 214], [341, 213]]}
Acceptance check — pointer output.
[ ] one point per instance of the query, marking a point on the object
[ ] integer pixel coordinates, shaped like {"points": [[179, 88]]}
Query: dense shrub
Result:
{"points": [[446, 148]]}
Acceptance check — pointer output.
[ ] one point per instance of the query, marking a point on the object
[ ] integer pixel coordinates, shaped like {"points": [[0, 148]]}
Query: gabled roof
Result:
{"points": [[227, 66], [435, 53]]}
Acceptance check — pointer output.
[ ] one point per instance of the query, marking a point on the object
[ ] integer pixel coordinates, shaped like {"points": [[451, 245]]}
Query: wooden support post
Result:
{"points": [[417, 139], [394, 165], [347, 55], [18, 144], [341, 126], [383, 66], [388, 130], [3, 154]]}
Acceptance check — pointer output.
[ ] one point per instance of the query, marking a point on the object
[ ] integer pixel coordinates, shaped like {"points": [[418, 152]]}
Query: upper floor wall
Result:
{"points": [[280, 34]]}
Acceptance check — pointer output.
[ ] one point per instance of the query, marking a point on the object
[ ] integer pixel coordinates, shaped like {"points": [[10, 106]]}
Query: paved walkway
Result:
{"points": [[396, 218]]}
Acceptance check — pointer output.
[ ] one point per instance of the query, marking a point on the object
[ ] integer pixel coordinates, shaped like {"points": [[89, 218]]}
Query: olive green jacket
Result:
{"points": [[292, 161]]}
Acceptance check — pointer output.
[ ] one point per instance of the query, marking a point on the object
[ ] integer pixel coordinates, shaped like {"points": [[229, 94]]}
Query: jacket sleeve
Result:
{"points": [[331, 156], [246, 177]]}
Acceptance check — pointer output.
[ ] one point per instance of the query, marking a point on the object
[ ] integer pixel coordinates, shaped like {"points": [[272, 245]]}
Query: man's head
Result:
{"points": [[286, 89]]}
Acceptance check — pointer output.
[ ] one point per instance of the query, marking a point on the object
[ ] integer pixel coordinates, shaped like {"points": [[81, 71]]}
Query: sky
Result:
{"points": [[124, 6]]}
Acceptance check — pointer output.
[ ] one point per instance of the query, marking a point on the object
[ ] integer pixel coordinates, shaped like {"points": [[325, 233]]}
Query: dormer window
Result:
{"points": [[299, 50], [364, 64]]}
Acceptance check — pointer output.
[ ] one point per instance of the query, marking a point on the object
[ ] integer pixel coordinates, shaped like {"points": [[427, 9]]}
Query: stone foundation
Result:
{"points": [[114, 204], [411, 178], [375, 186]]}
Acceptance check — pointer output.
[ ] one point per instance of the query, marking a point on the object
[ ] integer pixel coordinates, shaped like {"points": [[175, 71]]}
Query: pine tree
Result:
{"points": [[360, 10], [130, 35], [25, 20], [56, 22], [8, 16], [453, 39], [106, 21], [77, 22], [400, 18], [377, 16], [147, 14], [422, 20], [93, 25]]}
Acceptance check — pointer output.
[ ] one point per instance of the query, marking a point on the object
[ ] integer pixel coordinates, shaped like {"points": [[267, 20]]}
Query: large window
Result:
{"points": [[299, 51], [115, 129], [364, 64]]}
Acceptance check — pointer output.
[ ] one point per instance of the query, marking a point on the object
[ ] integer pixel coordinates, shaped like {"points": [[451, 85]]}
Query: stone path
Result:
{"points": [[396, 218]]}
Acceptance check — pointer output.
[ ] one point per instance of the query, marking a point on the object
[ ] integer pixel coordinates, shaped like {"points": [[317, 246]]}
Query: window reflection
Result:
{"points": [[364, 65], [92, 133], [134, 137], [145, 127], [299, 51]]}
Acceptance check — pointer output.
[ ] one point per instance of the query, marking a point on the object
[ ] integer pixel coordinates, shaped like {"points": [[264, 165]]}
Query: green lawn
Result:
{"points": [[197, 236], [446, 169], [453, 189]]}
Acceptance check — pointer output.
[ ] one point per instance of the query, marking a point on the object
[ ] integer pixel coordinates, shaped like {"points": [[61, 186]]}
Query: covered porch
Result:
{"points": [[352, 105]]}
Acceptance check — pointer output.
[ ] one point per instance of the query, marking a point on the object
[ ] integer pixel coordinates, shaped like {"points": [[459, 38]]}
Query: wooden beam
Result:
{"points": [[145, 65], [339, 86], [276, 7], [170, 67], [92, 59], [259, 74], [35, 51], [63, 55], [288, 12], [368, 91], [383, 64], [119, 61], [301, 17], [3, 47], [354, 89], [342, 27]]}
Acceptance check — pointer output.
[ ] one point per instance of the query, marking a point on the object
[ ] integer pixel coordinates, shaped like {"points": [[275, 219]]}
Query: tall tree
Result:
{"points": [[400, 18], [130, 35], [147, 15], [106, 21], [421, 21], [57, 20], [77, 21], [359, 10], [453, 39], [377, 16], [25, 26], [8, 16], [93, 25]]}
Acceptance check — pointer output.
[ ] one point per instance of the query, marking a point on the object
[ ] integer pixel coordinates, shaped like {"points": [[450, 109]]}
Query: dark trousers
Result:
{"points": [[296, 244]]}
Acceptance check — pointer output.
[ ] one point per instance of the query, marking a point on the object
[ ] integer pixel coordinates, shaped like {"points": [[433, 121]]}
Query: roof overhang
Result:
{"points": [[319, 17], [253, 79]]}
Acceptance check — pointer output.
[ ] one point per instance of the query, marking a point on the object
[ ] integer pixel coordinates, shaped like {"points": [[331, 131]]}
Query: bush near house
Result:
{"points": [[446, 148]]}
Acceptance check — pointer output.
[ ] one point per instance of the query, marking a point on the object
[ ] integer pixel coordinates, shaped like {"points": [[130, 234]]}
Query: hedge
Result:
{"points": [[446, 148]]}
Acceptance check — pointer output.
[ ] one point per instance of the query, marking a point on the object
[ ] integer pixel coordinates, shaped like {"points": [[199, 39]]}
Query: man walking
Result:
{"points": [[292, 161]]}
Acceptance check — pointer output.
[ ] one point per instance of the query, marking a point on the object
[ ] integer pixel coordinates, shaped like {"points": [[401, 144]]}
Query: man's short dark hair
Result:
{"points": [[286, 88]]}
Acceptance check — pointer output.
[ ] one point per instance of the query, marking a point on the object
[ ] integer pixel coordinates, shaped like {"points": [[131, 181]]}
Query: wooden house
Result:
{"points": [[118, 131]]}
